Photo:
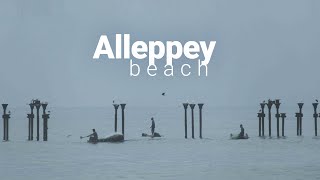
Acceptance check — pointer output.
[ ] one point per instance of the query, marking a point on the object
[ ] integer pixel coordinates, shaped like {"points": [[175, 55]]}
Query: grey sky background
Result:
{"points": [[264, 49]]}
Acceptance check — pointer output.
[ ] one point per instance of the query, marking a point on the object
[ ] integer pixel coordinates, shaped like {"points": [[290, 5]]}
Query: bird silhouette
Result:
{"points": [[317, 100], [163, 94]]}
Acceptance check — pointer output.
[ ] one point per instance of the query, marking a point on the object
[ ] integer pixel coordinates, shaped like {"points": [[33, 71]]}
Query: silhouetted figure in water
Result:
{"points": [[93, 136], [241, 135], [153, 126]]}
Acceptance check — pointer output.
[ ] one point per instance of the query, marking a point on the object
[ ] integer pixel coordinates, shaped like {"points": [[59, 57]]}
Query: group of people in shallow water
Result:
{"points": [[94, 136]]}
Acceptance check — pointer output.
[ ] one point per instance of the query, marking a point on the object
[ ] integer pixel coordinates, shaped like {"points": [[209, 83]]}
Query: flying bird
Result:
{"points": [[163, 94], [317, 100]]}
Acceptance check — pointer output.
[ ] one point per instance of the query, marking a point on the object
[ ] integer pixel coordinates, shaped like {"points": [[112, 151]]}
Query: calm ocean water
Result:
{"points": [[66, 156]]}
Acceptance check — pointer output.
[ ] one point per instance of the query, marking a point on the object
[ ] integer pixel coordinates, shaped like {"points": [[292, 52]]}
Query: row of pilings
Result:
{"points": [[262, 115], [298, 115], [45, 116], [192, 106]]}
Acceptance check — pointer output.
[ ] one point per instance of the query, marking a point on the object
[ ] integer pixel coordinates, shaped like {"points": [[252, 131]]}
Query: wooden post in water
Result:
{"points": [[283, 116], [5, 117], [45, 117], [30, 117], [4, 106], [315, 115], [116, 106], [259, 116], [269, 104], [263, 116], [185, 105], [300, 119], [192, 119], [200, 119], [38, 105], [122, 110], [298, 124], [277, 104]]}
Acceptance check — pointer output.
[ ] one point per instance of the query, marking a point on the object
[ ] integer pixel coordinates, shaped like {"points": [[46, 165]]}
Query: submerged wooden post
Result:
{"points": [[262, 117], [269, 104], [5, 117], [283, 116], [116, 106], [200, 119], [185, 105], [30, 117], [38, 105], [192, 119], [45, 117], [122, 110], [315, 115], [277, 104]]}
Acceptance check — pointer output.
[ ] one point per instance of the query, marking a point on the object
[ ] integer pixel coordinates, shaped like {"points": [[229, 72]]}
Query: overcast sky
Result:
{"points": [[264, 49]]}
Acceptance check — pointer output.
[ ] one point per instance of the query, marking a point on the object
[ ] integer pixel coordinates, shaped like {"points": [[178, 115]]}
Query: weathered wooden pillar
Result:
{"points": [[263, 116], [122, 110], [45, 117], [200, 119], [31, 117], [300, 119], [192, 119], [277, 104], [5, 117], [269, 104], [283, 116], [315, 115], [185, 105], [259, 116], [116, 106], [38, 105]]}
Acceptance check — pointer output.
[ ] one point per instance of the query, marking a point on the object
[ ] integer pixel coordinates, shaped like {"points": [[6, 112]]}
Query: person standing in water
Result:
{"points": [[242, 131], [153, 126]]}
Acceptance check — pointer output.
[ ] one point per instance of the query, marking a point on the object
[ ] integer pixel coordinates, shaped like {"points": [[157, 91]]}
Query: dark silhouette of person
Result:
{"points": [[93, 136], [153, 126], [241, 135]]}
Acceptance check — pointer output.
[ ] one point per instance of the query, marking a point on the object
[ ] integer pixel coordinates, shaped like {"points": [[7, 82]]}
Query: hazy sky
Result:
{"points": [[264, 49]]}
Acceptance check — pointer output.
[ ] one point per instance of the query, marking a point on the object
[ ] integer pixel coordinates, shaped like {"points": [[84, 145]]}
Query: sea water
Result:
{"points": [[66, 156]]}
